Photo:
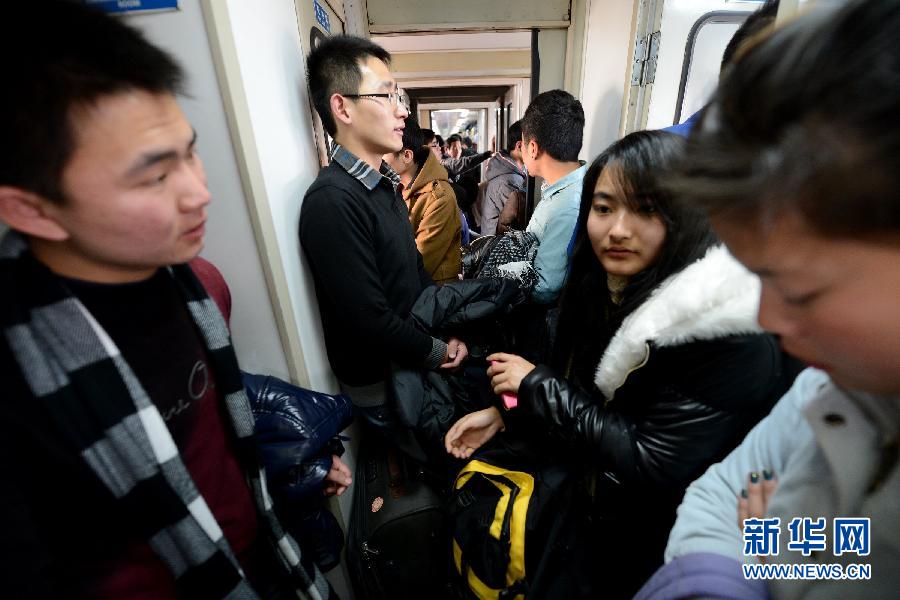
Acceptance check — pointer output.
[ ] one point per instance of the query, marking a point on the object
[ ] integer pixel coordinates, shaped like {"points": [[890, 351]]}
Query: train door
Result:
{"points": [[678, 49], [677, 58]]}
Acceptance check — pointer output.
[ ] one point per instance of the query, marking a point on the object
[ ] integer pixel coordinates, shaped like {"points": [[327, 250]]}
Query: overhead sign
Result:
{"points": [[322, 16], [128, 6]]}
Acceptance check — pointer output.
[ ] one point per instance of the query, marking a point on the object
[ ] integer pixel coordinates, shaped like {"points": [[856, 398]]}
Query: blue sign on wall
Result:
{"points": [[125, 6], [322, 16]]}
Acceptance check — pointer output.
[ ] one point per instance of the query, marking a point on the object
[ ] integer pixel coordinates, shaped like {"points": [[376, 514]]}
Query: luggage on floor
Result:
{"points": [[514, 530], [397, 545]]}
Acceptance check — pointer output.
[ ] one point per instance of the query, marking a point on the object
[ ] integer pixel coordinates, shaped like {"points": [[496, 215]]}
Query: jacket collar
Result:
{"points": [[573, 178], [503, 164], [431, 172], [362, 171], [854, 430], [711, 298]]}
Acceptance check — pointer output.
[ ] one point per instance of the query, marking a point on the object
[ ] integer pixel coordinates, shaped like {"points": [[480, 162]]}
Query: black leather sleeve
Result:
{"points": [[681, 422], [574, 415]]}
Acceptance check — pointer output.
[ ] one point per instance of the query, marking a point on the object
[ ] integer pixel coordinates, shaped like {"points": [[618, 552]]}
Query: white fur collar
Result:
{"points": [[713, 297]]}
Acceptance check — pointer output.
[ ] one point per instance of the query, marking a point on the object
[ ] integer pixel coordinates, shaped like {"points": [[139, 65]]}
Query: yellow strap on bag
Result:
{"points": [[516, 569]]}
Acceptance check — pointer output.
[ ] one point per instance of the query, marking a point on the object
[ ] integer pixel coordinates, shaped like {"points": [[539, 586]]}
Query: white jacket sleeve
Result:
{"points": [[707, 518]]}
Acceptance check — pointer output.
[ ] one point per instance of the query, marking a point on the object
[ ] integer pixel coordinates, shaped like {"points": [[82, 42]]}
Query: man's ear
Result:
{"points": [[27, 213], [533, 150], [341, 110], [407, 155]]}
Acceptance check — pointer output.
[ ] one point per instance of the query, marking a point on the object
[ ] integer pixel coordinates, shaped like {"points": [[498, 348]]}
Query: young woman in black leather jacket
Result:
{"points": [[659, 367]]}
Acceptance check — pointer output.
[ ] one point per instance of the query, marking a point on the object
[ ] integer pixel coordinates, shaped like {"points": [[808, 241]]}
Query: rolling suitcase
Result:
{"points": [[397, 544]]}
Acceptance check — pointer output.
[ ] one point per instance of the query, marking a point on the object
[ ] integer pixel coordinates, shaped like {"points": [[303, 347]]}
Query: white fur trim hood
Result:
{"points": [[711, 298]]}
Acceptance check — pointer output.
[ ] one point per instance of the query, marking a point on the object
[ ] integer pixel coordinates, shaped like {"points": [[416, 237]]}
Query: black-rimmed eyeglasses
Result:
{"points": [[394, 98]]}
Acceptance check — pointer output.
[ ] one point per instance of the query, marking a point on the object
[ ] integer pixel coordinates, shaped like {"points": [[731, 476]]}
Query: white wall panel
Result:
{"points": [[230, 243], [604, 69], [404, 12], [552, 50], [273, 76]]}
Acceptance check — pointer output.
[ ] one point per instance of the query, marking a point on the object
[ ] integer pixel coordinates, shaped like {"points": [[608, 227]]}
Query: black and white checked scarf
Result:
{"points": [[70, 363]]}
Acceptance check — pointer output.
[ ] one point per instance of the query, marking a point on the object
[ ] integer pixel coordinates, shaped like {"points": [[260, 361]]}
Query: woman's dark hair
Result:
{"points": [[753, 26], [588, 318], [807, 122]]}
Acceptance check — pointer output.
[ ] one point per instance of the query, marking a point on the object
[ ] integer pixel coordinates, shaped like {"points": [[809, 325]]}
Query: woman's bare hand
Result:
{"points": [[473, 431], [507, 372]]}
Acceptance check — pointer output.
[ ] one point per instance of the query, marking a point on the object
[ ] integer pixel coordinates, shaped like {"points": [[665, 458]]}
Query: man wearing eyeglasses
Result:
{"points": [[433, 143], [355, 231]]}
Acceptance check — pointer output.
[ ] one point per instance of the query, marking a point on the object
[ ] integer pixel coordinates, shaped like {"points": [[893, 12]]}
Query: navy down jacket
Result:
{"points": [[294, 429]]}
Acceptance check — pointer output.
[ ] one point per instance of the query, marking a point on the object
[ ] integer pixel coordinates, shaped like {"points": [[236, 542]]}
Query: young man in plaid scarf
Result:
{"points": [[126, 439]]}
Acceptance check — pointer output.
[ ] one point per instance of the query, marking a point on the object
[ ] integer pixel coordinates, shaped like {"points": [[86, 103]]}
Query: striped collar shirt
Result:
{"points": [[362, 170]]}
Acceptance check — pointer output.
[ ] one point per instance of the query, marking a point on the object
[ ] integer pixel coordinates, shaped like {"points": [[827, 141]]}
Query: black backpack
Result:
{"points": [[514, 526]]}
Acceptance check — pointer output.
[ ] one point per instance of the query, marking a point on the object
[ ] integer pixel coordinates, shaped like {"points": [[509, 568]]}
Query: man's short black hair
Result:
{"points": [[454, 138], [755, 24], [513, 135], [412, 134], [428, 136], [467, 141], [58, 57], [414, 141], [555, 120], [440, 140], [333, 68]]}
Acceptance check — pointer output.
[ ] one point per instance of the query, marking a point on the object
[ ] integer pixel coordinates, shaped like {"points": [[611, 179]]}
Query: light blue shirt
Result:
{"points": [[553, 223]]}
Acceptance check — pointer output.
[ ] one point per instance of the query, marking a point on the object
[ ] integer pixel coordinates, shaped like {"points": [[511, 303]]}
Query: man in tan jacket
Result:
{"points": [[433, 212]]}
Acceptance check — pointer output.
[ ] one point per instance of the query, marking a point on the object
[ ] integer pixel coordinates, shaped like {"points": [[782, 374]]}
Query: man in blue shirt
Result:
{"points": [[552, 131]]}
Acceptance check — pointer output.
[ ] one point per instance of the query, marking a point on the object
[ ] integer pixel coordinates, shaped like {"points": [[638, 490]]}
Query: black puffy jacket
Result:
{"points": [[681, 382], [429, 402]]}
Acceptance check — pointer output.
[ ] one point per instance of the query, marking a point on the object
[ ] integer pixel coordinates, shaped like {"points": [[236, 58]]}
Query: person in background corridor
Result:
{"points": [[433, 212], [552, 131], [505, 174]]}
